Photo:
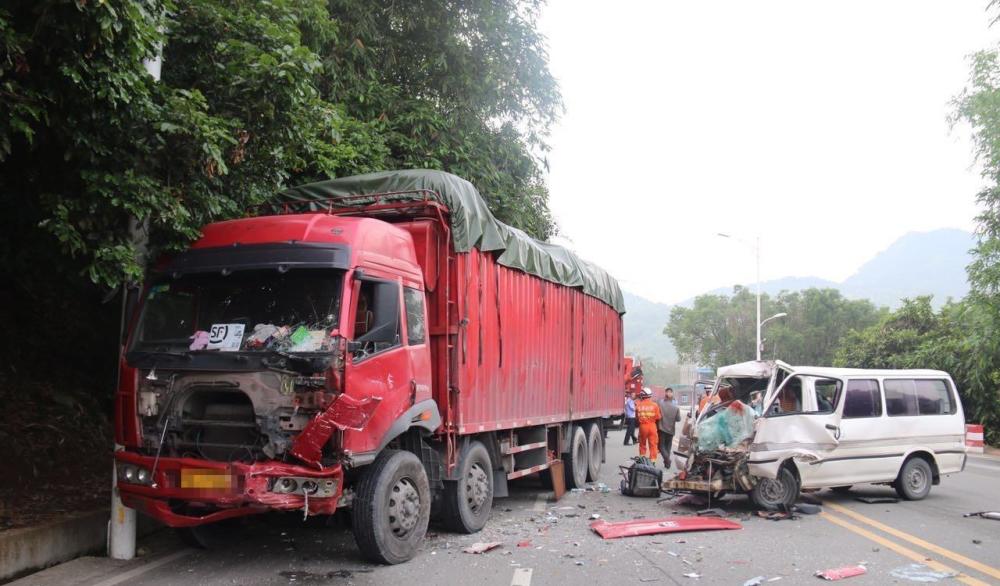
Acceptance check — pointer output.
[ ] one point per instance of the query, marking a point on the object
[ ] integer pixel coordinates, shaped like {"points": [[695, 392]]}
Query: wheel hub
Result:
{"points": [[404, 507], [477, 488], [772, 490], [916, 479]]}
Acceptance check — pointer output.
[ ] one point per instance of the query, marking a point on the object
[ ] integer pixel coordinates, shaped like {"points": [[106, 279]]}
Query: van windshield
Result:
{"points": [[246, 311]]}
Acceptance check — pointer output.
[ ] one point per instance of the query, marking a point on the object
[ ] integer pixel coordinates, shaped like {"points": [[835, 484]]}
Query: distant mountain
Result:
{"points": [[644, 322], [919, 263]]}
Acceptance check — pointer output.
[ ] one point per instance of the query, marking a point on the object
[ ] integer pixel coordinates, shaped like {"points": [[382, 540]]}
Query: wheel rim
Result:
{"points": [[916, 479], [477, 488], [594, 447], [772, 491], [404, 507]]}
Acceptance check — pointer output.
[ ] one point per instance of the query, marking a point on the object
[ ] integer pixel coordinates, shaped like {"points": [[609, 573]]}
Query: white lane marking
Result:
{"points": [[522, 577], [145, 568], [539, 503]]}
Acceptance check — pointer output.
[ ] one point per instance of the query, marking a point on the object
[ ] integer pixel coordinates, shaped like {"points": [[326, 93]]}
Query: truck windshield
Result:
{"points": [[247, 311]]}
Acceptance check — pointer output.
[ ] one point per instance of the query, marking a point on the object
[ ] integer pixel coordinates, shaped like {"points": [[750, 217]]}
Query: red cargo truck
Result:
{"points": [[378, 342]]}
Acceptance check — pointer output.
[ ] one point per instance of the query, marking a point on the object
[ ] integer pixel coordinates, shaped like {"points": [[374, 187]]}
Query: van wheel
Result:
{"points": [[392, 506], [469, 500], [914, 480], [576, 461], [595, 452], [775, 494]]}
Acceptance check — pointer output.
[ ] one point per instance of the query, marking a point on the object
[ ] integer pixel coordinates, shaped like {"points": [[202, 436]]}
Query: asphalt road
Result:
{"points": [[551, 544]]}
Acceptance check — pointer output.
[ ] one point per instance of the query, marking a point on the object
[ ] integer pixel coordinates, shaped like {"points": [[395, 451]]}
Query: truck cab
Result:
{"points": [[274, 355]]}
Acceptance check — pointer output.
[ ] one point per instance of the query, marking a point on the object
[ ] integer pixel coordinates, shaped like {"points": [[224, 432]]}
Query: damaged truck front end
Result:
{"points": [[231, 394]]}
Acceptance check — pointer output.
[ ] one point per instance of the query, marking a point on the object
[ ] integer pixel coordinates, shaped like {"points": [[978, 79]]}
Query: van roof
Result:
{"points": [[752, 368], [840, 372]]}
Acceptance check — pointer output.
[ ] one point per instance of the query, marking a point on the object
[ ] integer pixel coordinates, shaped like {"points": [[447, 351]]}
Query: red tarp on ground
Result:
{"points": [[665, 525]]}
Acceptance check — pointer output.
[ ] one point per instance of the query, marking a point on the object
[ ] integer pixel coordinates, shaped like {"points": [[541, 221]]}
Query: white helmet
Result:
{"points": [[646, 392]]}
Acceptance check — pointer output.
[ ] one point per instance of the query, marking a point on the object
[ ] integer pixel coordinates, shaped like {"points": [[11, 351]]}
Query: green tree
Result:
{"points": [[817, 321], [719, 330], [459, 85]]}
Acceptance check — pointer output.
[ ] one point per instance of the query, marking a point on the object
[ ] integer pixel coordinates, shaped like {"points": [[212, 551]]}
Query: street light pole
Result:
{"points": [[757, 251]]}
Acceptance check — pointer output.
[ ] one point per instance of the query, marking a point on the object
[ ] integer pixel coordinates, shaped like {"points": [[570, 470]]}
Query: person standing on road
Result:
{"points": [[647, 414], [670, 414], [629, 420]]}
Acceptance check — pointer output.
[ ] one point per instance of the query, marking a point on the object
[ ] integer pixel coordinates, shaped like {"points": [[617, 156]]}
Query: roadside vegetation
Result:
{"points": [[103, 167]]}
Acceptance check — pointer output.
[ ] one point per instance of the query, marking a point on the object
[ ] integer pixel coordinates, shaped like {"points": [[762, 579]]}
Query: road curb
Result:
{"points": [[28, 549]]}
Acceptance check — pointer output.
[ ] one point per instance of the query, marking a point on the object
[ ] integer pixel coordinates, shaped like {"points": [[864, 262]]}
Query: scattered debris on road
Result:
{"points": [[807, 509], [776, 515], [841, 573], [876, 500], [920, 573], [985, 515], [692, 575], [666, 525], [482, 547]]}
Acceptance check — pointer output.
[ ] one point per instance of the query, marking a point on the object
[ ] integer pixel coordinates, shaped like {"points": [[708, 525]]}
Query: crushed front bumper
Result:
{"points": [[235, 489]]}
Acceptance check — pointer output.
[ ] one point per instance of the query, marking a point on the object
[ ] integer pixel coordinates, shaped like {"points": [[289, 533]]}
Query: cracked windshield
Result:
{"points": [[243, 312]]}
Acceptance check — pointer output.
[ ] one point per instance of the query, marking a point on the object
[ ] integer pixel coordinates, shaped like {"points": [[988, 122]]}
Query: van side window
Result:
{"points": [[415, 325], [863, 399], [827, 394], [934, 398], [900, 397], [820, 394]]}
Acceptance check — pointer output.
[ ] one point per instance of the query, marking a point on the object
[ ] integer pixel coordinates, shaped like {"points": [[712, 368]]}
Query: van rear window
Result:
{"points": [[934, 398], [918, 397]]}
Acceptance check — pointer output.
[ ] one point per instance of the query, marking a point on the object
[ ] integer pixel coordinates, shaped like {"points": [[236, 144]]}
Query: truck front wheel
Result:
{"points": [[392, 506], [469, 500]]}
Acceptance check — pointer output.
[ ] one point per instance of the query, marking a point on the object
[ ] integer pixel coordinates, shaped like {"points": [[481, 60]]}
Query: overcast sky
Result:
{"points": [[820, 126]]}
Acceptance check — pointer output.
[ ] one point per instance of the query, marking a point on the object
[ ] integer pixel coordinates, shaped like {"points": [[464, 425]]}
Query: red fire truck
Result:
{"points": [[378, 342]]}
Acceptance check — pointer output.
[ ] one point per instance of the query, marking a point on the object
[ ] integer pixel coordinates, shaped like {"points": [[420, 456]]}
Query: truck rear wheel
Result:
{"points": [[576, 464], [392, 506], [595, 452], [469, 500]]}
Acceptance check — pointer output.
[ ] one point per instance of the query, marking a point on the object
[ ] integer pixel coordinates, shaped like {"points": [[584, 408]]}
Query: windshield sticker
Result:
{"points": [[225, 337]]}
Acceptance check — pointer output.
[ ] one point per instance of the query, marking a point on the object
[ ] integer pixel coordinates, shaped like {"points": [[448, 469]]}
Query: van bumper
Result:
{"points": [[187, 492]]}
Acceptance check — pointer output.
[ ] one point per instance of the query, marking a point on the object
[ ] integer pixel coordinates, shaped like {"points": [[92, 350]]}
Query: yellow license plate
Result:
{"points": [[206, 478]]}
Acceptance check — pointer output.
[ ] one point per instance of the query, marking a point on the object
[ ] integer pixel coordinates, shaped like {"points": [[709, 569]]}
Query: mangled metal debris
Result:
{"points": [[665, 525]]}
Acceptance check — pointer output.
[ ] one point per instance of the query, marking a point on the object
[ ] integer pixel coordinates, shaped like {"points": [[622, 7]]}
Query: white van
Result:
{"points": [[823, 427]]}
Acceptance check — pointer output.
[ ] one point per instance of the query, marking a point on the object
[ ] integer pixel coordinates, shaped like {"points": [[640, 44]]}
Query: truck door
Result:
{"points": [[801, 422], [378, 363]]}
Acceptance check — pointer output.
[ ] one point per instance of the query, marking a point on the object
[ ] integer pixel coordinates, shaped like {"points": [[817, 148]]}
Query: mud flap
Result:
{"points": [[345, 412]]}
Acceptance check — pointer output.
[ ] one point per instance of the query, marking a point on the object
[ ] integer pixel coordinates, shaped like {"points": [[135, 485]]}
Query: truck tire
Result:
{"points": [[595, 452], [392, 506], [914, 480], [775, 494], [469, 500], [575, 463]]}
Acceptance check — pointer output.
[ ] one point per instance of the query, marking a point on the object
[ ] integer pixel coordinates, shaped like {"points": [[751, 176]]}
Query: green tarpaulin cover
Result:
{"points": [[472, 225]]}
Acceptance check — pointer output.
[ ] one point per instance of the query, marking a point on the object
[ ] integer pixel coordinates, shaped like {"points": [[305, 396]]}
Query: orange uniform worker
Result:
{"points": [[647, 413]]}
